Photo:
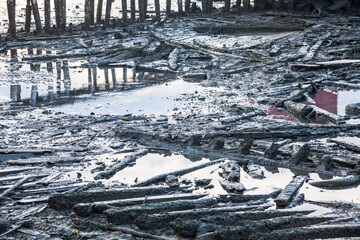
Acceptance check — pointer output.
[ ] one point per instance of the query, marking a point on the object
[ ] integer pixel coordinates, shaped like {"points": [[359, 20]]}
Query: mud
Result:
{"points": [[89, 117]]}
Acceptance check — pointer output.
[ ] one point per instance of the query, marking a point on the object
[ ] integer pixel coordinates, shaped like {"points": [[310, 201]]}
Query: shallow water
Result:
{"points": [[275, 178], [160, 99]]}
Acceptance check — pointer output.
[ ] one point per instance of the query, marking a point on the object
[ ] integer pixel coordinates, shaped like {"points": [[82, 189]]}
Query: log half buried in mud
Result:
{"points": [[301, 155], [285, 197], [67, 201], [244, 229], [162, 220], [86, 209], [315, 232], [337, 183], [127, 215], [189, 227], [181, 172], [251, 197], [113, 169], [347, 145], [249, 27], [336, 119], [126, 230], [299, 109]]}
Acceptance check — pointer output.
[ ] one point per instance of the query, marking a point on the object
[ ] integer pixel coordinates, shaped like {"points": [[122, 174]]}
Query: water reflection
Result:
{"points": [[46, 83]]}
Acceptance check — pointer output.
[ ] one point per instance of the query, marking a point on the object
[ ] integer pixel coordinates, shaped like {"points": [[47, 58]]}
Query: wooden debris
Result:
{"points": [[299, 109], [21, 151], [113, 169], [301, 155], [287, 194], [244, 229], [328, 115], [66, 201], [337, 183], [14, 187], [6, 172], [189, 227], [347, 145], [162, 220], [313, 232], [181, 172], [85, 209], [129, 214], [236, 198], [126, 230], [314, 48]]}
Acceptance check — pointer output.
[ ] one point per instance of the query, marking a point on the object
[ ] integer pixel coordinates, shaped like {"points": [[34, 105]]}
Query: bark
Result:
{"points": [[347, 145], [99, 11], [47, 16], [126, 230], [162, 220], [28, 16], [236, 198], [287, 194], [11, 17], [189, 227], [244, 229], [337, 183], [67, 201], [128, 215], [316, 232], [14, 187], [86, 209]]}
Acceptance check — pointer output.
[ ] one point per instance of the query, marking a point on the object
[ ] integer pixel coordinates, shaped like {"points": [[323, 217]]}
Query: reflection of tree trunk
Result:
{"points": [[15, 93], [34, 95], [125, 77], [90, 89], [113, 73], [58, 77], [13, 55], [107, 83], [95, 79], [49, 66], [67, 83]]}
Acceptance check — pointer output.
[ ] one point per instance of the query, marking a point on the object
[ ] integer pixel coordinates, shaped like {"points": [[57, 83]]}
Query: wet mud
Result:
{"points": [[222, 126]]}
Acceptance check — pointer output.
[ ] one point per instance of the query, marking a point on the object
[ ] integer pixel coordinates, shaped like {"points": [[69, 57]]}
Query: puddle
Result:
{"points": [[331, 101], [161, 99], [152, 165]]}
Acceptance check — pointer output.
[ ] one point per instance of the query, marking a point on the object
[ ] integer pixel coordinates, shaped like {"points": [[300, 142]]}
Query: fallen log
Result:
{"points": [[21, 151], [132, 232], [313, 232], [127, 215], [113, 169], [287, 194], [236, 198], [347, 145], [337, 183], [67, 201], [328, 115], [299, 109], [242, 230], [162, 220], [14, 187], [181, 172], [254, 171], [86, 209], [189, 227]]}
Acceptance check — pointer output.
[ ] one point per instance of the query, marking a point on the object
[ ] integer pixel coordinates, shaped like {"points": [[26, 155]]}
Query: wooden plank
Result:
{"points": [[289, 191]]}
